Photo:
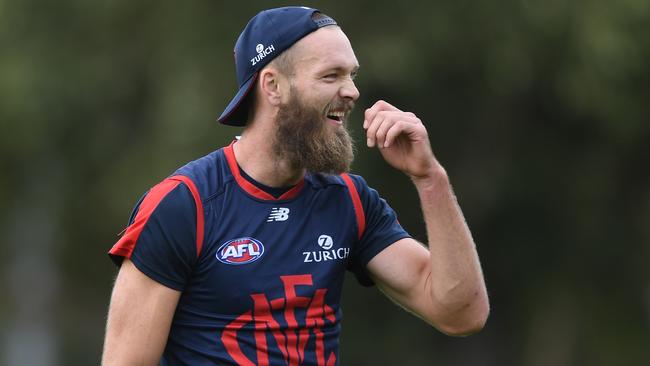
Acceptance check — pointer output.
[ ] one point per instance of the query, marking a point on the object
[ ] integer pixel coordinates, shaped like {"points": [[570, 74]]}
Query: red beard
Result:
{"points": [[306, 141]]}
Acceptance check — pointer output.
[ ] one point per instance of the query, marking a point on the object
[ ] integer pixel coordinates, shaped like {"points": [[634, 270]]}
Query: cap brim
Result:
{"points": [[236, 113]]}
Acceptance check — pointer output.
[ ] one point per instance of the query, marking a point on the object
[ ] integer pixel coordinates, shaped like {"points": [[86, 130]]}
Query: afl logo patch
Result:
{"points": [[240, 251]]}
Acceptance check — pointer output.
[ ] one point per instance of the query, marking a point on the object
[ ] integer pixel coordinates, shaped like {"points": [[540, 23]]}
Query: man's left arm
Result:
{"points": [[443, 285]]}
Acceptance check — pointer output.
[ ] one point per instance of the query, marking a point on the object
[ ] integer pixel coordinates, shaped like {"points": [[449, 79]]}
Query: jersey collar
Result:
{"points": [[249, 187]]}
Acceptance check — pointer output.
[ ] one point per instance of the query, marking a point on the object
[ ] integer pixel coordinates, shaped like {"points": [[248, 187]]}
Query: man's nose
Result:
{"points": [[349, 90]]}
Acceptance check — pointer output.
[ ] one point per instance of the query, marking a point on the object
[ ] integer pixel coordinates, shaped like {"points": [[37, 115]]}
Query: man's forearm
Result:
{"points": [[456, 282]]}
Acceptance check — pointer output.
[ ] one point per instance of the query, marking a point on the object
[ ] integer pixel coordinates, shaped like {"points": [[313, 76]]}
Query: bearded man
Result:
{"points": [[238, 258]]}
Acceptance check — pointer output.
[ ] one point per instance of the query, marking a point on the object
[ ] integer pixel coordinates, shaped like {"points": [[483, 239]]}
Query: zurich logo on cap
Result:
{"points": [[240, 251]]}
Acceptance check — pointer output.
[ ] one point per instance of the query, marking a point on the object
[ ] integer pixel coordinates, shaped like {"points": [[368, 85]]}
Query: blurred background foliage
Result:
{"points": [[538, 110]]}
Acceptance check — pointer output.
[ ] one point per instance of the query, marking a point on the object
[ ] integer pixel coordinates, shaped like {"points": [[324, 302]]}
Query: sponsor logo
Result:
{"points": [[261, 53], [278, 214], [327, 254], [325, 242], [240, 251]]}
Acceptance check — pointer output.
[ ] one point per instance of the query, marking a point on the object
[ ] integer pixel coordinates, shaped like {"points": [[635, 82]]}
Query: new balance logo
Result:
{"points": [[278, 214]]}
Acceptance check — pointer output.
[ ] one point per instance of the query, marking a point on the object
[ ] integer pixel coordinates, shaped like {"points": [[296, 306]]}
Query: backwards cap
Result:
{"points": [[266, 36]]}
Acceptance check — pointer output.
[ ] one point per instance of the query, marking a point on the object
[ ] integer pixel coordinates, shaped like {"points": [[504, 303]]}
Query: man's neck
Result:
{"points": [[254, 154]]}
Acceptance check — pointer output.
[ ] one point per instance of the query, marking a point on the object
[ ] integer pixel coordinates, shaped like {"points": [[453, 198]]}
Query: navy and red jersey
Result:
{"points": [[260, 276]]}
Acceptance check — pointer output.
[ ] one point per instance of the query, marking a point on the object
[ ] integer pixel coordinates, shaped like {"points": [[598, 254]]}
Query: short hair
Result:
{"points": [[284, 62]]}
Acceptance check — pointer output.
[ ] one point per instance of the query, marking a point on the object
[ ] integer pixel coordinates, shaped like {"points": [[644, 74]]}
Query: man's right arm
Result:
{"points": [[139, 318]]}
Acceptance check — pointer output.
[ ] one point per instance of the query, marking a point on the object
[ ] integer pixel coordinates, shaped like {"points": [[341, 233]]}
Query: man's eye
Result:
{"points": [[330, 76]]}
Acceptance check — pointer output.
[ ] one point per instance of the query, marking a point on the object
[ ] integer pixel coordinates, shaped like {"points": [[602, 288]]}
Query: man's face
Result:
{"points": [[312, 117]]}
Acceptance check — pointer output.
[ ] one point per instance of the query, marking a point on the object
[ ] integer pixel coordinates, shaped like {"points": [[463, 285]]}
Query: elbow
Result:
{"points": [[466, 322], [464, 329]]}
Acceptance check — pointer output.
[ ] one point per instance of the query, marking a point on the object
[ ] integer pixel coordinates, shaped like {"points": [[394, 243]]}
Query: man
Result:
{"points": [[238, 258]]}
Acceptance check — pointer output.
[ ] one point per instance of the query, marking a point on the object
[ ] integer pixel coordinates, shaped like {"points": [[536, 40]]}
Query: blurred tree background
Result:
{"points": [[539, 110]]}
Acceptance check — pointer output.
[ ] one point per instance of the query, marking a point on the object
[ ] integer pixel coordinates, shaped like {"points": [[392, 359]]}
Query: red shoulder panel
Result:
{"points": [[356, 201], [200, 219], [124, 247]]}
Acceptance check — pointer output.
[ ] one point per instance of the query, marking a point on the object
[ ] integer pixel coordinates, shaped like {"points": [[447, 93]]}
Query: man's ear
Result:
{"points": [[272, 85]]}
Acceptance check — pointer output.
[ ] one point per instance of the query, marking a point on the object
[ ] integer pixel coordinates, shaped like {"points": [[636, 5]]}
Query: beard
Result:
{"points": [[304, 139]]}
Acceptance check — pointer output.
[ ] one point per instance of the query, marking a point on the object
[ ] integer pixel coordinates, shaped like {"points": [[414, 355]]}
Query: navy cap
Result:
{"points": [[266, 36]]}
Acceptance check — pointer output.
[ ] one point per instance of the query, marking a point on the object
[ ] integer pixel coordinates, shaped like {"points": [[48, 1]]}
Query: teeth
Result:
{"points": [[337, 114]]}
